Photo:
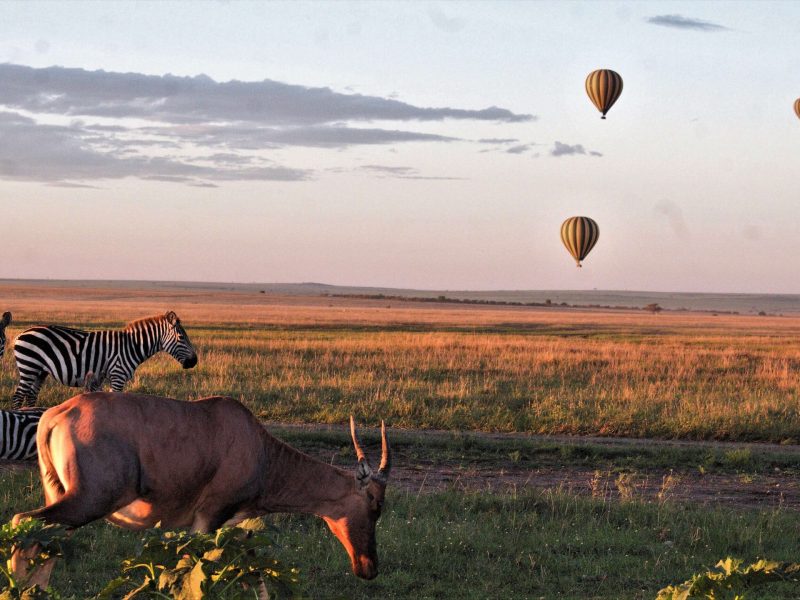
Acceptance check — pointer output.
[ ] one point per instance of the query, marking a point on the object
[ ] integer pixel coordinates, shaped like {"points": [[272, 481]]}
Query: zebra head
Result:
{"points": [[176, 343], [4, 322]]}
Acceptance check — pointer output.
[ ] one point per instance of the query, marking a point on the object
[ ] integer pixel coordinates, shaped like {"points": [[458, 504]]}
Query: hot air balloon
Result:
{"points": [[797, 107], [579, 235], [604, 87]]}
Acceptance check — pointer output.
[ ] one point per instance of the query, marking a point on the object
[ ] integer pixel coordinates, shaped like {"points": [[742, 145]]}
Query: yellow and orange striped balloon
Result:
{"points": [[604, 87], [579, 235], [797, 107]]}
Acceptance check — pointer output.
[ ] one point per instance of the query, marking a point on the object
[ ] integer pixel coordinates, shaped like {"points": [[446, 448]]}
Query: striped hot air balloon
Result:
{"points": [[579, 235], [604, 87], [797, 108]]}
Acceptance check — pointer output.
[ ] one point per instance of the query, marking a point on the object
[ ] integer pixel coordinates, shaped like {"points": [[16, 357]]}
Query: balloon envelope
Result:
{"points": [[604, 87], [797, 107], [579, 235]]}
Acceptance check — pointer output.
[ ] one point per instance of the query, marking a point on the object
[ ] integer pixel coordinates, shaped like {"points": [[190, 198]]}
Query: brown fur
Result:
{"points": [[137, 460]]}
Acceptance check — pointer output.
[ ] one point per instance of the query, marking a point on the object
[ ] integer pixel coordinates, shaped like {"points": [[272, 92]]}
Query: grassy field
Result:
{"points": [[479, 369], [547, 544], [462, 368]]}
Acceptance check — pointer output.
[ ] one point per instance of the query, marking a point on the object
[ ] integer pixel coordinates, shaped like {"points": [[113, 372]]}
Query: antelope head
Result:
{"points": [[353, 522]]}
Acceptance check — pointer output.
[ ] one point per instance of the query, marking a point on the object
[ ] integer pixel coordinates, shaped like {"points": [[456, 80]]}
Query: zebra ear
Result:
{"points": [[171, 317], [6, 319]]}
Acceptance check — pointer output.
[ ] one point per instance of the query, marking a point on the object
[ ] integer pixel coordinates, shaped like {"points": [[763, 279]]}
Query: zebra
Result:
{"points": [[70, 354], [18, 433], [18, 427], [5, 321]]}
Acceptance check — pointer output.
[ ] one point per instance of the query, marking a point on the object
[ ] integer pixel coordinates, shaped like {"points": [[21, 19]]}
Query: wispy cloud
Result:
{"points": [[560, 149], [200, 99], [52, 153], [497, 140], [190, 129], [384, 171], [519, 148], [681, 22]]}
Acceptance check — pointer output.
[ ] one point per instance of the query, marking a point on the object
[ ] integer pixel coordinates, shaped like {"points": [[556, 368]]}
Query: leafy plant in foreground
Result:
{"points": [[730, 581], [50, 540], [234, 563]]}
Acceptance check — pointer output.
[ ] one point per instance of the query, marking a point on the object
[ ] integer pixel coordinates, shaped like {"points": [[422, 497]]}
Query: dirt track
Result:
{"points": [[765, 491], [744, 491]]}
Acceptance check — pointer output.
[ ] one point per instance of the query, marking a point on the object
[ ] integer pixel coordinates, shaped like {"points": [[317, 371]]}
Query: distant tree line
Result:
{"points": [[653, 307]]}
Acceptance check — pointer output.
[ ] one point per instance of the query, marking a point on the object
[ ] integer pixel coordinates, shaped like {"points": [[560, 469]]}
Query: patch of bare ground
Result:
{"points": [[762, 491], [733, 490], [430, 474]]}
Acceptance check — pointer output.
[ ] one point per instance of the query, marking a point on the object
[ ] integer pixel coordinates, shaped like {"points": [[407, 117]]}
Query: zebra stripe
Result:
{"points": [[18, 433], [70, 354], [5, 321]]}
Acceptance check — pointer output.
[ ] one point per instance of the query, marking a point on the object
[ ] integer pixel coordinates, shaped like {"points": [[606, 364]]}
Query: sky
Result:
{"points": [[401, 144]]}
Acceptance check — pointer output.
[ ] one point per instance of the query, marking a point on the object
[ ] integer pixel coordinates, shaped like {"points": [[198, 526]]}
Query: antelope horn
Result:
{"points": [[359, 451], [386, 454]]}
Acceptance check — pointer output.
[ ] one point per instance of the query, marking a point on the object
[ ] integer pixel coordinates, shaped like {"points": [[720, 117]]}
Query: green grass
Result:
{"points": [[452, 545]]}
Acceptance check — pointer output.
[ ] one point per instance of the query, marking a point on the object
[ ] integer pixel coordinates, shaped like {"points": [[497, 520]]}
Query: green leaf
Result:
{"points": [[111, 587]]}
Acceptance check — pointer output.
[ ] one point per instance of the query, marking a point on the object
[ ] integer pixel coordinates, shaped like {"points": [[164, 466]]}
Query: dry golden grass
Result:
{"points": [[317, 359]]}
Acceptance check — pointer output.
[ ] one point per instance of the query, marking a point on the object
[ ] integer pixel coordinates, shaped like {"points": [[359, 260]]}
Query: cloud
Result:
{"points": [[190, 129], [70, 184], [202, 184], [560, 149], [497, 140], [680, 22], [52, 153], [200, 99], [674, 216], [519, 149], [386, 171], [317, 136]]}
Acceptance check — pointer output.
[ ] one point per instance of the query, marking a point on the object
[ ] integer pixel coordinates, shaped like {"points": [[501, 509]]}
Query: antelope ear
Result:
{"points": [[171, 317], [6, 319], [363, 473]]}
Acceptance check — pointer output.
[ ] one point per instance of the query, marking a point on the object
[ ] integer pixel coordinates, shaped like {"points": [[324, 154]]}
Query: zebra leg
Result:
{"points": [[20, 394], [118, 380], [27, 389], [33, 394]]}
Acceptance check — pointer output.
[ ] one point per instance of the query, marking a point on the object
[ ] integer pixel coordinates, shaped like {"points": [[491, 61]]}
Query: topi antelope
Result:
{"points": [[139, 460]]}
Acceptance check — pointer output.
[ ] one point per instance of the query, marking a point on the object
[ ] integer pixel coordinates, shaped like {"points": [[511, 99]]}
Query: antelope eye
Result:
{"points": [[370, 496]]}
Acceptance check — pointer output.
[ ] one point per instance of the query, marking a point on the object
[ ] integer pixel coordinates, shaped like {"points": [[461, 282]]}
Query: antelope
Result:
{"points": [[138, 460]]}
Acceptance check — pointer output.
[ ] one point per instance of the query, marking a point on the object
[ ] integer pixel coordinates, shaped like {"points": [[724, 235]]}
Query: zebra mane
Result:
{"points": [[136, 325]]}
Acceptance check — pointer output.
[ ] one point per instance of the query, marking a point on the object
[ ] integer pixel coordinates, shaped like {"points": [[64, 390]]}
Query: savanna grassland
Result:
{"points": [[317, 360], [472, 371]]}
